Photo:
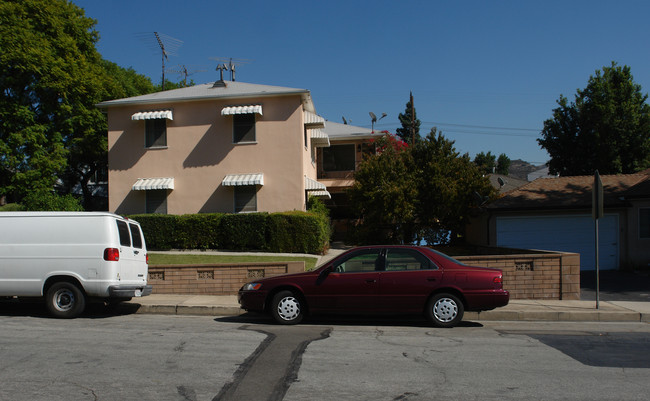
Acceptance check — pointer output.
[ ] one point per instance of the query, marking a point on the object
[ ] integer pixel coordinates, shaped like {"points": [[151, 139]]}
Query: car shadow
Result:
{"points": [[342, 320], [28, 307]]}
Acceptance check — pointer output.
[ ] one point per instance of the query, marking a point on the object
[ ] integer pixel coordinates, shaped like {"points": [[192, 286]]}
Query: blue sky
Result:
{"points": [[486, 73]]}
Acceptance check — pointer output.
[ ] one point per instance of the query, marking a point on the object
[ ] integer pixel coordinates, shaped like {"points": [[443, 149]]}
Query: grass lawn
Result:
{"points": [[174, 259]]}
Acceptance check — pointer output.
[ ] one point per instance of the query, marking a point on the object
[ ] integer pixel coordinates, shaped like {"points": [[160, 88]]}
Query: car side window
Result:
{"points": [[123, 230], [398, 259], [362, 261]]}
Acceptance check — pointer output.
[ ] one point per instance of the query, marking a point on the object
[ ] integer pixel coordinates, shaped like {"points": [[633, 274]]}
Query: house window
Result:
{"points": [[155, 133], [156, 201], [243, 128], [644, 223], [245, 198], [339, 158]]}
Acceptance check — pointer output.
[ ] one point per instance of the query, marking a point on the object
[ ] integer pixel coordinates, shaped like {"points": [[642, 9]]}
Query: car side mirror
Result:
{"points": [[323, 274]]}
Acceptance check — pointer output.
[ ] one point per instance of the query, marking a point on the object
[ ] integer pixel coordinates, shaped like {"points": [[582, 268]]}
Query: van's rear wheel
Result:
{"points": [[65, 300]]}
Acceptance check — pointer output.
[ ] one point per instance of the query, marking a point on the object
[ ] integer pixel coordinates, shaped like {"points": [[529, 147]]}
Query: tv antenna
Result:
{"points": [[373, 119], [167, 46], [231, 66], [182, 70]]}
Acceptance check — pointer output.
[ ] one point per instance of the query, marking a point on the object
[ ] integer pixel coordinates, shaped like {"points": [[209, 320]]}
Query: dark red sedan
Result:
{"points": [[380, 279]]}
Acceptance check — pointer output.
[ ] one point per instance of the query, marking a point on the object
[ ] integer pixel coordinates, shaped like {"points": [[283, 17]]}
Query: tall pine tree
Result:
{"points": [[409, 120]]}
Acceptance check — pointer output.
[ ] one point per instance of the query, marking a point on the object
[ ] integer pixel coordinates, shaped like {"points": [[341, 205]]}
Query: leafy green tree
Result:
{"points": [[50, 78], [503, 164], [409, 119], [606, 127], [448, 184], [405, 193], [384, 196], [486, 162]]}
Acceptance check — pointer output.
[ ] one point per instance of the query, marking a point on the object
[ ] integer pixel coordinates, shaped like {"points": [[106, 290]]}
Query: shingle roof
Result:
{"points": [[573, 192], [231, 89]]}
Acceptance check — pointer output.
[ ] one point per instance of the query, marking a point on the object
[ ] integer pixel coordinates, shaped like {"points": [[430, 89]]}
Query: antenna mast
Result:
{"points": [[164, 56], [163, 43]]}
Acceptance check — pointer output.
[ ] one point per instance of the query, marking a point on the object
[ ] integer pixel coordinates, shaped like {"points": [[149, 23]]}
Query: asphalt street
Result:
{"points": [[104, 356]]}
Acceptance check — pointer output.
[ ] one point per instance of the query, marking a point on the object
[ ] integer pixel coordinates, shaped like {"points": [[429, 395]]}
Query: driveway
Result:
{"points": [[616, 286]]}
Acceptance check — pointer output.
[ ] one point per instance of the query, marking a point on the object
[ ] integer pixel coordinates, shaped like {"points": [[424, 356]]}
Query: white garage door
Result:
{"points": [[563, 233]]}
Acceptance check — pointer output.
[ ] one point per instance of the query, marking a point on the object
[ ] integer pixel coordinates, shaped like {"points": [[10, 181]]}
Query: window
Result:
{"points": [[362, 261], [644, 223], [339, 158], [155, 133], [245, 198], [243, 128], [156, 201], [135, 234], [123, 231], [397, 259]]}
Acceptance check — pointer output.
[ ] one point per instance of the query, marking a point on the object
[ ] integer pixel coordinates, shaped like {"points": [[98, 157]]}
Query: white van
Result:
{"points": [[71, 257]]}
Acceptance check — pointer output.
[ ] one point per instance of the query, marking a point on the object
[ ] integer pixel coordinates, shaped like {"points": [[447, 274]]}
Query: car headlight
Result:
{"points": [[252, 286]]}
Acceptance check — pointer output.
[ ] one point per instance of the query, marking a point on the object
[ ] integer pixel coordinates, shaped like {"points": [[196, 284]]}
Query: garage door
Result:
{"points": [[563, 233]]}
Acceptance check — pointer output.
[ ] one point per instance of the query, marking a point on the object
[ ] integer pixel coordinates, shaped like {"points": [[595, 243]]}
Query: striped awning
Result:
{"points": [[313, 120], [145, 184], [233, 180], [312, 185], [152, 115], [249, 109], [320, 194], [318, 137], [315, 188]]}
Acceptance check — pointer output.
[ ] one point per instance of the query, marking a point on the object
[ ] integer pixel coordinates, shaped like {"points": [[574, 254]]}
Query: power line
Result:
{"points": [[482, 126]]}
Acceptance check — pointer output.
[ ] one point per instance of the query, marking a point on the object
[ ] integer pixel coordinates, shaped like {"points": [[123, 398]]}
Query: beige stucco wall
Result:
{"points": [[200, 153]]}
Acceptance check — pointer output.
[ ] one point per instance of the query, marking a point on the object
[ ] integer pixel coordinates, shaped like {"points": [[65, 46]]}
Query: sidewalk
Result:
{"points": [[516, 310]]}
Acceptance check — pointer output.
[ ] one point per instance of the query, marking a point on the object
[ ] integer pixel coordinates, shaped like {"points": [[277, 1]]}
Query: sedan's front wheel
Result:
{"points": [[445, 310], [287, 308]]}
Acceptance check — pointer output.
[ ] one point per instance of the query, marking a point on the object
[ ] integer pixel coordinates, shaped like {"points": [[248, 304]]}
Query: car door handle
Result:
{"points": [[370, 281], [431, 279]]}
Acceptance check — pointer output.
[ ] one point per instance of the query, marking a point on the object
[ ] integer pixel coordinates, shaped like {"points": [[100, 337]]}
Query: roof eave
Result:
{"points": [[116, 103]]}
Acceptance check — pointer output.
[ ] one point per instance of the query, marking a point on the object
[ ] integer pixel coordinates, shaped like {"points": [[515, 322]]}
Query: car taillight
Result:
{"points": [[498, 280], [111, 254]]}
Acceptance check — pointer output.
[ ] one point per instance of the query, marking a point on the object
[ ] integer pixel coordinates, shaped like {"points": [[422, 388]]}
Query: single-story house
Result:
{"points": [[556, 215]]}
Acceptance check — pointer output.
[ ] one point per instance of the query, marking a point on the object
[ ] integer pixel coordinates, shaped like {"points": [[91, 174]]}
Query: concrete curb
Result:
{"points": [[553, 311]]}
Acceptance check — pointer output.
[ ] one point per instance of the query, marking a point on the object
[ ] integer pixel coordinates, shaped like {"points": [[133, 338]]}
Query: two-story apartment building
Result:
{"points": [[220, 147]]}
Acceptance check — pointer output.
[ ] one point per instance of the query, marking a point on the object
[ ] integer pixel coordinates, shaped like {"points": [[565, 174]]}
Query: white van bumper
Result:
{"points": [[129, 291]]}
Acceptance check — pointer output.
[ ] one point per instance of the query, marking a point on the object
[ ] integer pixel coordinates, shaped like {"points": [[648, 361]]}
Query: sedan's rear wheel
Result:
{"points": [[445, 310], [287, 308]]}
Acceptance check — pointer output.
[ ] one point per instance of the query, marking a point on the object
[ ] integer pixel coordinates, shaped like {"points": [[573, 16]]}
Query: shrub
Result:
{"points": [[277, 232], [49, 201]]}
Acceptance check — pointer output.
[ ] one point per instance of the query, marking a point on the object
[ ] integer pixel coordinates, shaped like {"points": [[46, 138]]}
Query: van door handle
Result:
{"points": [[136, 252], [370, 281], [431, 279]]}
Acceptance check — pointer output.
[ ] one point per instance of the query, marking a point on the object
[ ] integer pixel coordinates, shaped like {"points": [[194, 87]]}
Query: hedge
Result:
{"points": [[300, 232]]}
